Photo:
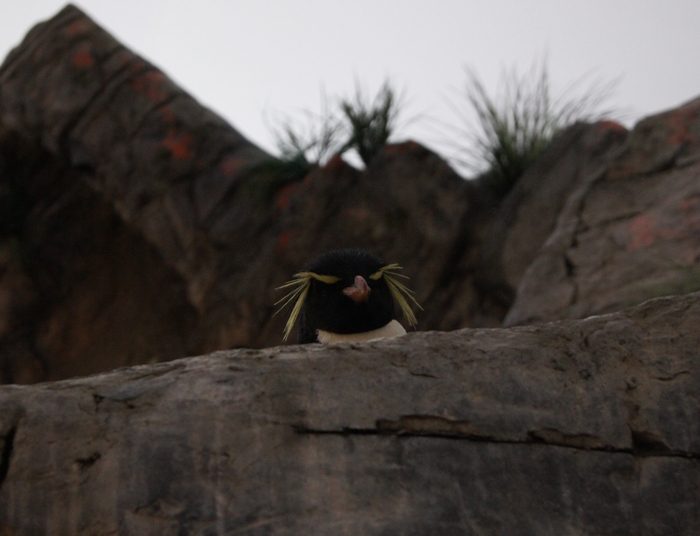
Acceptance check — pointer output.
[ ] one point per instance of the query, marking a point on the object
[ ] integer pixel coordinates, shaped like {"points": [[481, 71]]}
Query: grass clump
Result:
{"points": [[510, 131], [369, 124], [516, 125], [358, 124], [312, 139], [303, 143]]}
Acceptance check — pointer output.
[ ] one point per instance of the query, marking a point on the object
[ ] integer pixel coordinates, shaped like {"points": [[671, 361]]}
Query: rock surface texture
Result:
{"points": [[528, 215], [575, 427], [629, 232]]}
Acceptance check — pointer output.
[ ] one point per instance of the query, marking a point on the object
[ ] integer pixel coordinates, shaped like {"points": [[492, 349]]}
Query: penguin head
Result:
{"points": [[346, 298], [346, 292]]}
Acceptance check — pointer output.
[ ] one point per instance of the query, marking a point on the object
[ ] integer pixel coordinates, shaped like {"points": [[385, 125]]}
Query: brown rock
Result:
{"points": [[528, 214], [145, 229], [587, 427], [628, 233], [153, 232]]}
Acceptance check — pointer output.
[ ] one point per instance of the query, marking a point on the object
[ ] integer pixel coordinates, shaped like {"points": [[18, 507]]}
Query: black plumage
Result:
{"points": [[346, 292]]}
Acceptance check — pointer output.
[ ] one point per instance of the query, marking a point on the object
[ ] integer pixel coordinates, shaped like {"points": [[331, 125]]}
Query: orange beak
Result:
{"points": [[359, 292]]}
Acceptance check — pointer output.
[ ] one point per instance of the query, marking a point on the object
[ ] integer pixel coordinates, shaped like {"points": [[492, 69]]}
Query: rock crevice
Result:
{"points": [[644, 444], [8, 441]]}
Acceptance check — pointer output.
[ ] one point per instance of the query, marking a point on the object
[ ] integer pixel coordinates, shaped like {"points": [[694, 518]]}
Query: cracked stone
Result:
{"points": [[494, 432]]}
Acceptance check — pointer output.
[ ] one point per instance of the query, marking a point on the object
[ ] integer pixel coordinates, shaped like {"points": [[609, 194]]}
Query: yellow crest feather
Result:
{"points": [[398, 290], [301, 284]]}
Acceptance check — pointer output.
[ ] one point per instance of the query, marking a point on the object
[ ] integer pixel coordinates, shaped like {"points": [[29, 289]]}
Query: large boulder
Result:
{"points": [[630, 231], [138, 226], [574, 427]]}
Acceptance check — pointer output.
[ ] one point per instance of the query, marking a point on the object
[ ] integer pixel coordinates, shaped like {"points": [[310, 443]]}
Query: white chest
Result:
{"points": [[392, 329]]}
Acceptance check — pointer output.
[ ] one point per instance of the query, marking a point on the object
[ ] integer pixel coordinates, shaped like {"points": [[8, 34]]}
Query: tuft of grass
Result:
{"points": [[313, 139], [359, 124], [303, 143], [516, 125], [370, 124]]}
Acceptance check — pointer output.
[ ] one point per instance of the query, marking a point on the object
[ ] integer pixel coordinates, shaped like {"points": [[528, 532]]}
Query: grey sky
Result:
{"points": [[247, 58]]}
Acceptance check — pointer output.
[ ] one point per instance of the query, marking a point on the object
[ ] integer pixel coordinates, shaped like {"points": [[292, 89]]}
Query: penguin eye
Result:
{"points": [[327, 279]]}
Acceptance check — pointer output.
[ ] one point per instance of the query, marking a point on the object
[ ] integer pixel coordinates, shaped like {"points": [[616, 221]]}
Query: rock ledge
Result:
{"points": [[576, 427]]}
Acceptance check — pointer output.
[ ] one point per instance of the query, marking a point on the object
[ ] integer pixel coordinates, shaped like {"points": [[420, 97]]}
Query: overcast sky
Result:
{"points": [[248, 59]]}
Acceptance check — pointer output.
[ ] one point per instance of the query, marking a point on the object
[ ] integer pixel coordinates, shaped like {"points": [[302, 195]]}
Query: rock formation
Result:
{"points": [[144, 228], [528, 215], [138, 227], [575, 427], [629, 231]]}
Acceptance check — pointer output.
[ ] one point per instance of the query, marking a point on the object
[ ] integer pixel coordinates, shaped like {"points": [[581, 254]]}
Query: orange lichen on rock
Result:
{"points": [[336, 162], [405, 147], [77, 27], [179, 144], [612, 125], [230, 166], [150, 84], [83, 58], [680, 123], [285, 194], [644, 230], [283, 242], [641, 230]]}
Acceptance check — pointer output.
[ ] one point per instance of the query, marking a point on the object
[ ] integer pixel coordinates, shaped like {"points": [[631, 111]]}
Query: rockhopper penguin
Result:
{"points": [[347, 296]]}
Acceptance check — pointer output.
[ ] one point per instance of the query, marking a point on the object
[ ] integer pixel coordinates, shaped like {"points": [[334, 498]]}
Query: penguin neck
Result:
{"points": [[392, 329]]}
